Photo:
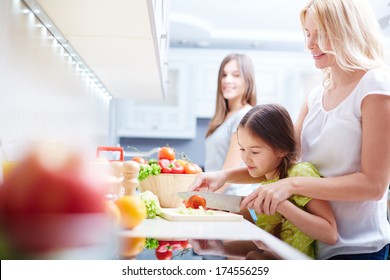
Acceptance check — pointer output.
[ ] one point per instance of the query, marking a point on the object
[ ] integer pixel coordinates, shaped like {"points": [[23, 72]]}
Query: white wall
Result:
{"points": [[42, 94]]}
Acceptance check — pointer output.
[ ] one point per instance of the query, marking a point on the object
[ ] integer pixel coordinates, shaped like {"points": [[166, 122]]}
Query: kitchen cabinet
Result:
{"points": [[124, 43], [172, 118]]}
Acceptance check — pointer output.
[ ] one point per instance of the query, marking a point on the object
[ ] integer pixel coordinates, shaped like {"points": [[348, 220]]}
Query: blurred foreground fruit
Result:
{"points": [[50, 203], [133, 211], [113, 212]]}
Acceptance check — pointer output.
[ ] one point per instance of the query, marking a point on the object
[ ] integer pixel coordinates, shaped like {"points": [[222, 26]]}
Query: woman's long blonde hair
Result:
{"points": [[353, 32], [245, 66]]}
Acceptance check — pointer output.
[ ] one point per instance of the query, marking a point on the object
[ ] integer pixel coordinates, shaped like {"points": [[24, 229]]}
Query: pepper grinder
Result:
{"points": [[130, 171]]}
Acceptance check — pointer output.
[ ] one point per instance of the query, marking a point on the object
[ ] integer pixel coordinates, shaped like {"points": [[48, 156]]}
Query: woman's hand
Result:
{"points": [[208, 181], [265, 199]]}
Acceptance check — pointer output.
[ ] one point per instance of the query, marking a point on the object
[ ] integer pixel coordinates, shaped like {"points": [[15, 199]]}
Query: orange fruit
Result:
{"points": [[113, 212], [132, 209], [131, 246]]}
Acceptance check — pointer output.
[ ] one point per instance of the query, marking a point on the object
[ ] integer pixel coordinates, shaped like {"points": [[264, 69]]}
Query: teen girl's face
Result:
{"points": [[233, 83], [321, 59], [259, 157]]}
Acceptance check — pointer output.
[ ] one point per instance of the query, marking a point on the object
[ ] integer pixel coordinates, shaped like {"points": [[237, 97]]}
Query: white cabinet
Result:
{"points": [[173, 118], [159, 20]]}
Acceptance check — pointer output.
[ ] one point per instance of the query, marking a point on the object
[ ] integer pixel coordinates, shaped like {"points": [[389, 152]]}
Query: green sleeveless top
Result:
{"points": [[280, 227]]}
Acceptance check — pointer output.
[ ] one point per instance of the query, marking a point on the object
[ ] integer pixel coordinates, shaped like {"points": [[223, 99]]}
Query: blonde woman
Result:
{"points": [[236, 95], [343, 130]]}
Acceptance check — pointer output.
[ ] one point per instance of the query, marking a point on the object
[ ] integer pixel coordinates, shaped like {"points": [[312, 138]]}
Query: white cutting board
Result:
{"points": [[171, 214]]}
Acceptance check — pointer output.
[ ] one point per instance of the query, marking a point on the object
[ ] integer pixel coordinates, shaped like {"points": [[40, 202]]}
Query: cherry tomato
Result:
{"points": [[167, 255], [195, 202], [192, 168], [177, 168], [185, 244], [165, 165], [140, 160], [166, 153]]}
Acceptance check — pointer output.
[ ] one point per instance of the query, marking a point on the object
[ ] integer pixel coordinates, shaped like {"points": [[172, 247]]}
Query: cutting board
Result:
{"points": [[172, 214]]}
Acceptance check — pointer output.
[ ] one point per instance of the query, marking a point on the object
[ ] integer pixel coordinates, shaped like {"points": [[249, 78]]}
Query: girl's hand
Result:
{"points": [[265, 199], [208, 181]]}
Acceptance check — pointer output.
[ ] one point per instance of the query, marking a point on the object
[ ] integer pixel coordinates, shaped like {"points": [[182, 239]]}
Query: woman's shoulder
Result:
{"points": [[376, 80]]}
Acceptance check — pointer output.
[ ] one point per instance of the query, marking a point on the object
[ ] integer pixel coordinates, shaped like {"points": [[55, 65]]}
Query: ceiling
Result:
{"points": [[114, 37]]}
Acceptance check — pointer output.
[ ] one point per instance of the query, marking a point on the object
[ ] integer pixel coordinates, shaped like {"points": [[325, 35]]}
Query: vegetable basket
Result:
{"points": [[165, 186]]}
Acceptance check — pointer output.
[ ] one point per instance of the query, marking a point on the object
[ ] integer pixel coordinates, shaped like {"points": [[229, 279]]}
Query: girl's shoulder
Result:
{"points": [[303, 169]]}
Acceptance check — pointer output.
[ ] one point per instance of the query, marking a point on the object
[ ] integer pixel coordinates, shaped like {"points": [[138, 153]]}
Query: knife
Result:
{"points": [[225, 202]]}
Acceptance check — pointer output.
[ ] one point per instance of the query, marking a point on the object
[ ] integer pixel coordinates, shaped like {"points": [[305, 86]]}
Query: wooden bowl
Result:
{"points": [[165, 186]]}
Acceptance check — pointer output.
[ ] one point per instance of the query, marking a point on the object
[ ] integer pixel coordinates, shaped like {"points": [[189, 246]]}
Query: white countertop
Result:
{"points": [[243, 230]]}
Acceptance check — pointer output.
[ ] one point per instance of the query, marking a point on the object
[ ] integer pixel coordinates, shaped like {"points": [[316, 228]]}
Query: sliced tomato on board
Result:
{"points": [[195, 202]]}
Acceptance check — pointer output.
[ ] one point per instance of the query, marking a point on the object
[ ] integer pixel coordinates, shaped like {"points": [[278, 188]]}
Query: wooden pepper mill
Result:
{"points": [[130, 171]]}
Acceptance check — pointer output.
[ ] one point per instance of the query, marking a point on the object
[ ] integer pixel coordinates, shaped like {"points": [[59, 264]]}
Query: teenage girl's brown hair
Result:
{"points": [[245, 66], [272, 123]]}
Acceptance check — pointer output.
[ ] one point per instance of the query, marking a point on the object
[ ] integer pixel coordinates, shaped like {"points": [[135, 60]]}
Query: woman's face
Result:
{"points": [[259, 157], [321, 59], [233, 83]]}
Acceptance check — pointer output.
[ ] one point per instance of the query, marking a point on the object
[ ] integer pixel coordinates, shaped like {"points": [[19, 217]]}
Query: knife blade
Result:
{"points": [[225, 202]]}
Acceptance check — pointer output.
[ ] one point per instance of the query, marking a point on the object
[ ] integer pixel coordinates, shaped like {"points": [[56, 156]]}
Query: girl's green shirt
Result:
{"points": [[282, 228]]}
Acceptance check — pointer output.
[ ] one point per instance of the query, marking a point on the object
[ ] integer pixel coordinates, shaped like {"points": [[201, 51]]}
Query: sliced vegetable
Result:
{"points": [[151, 202], [195, 202]]}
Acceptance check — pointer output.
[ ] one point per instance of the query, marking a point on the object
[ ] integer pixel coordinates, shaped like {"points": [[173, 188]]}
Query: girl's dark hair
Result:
{"points": [[272, 123]]}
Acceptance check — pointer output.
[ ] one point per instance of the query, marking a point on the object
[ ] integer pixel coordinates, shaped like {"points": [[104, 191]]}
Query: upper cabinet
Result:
{"points": [[123, 42]]}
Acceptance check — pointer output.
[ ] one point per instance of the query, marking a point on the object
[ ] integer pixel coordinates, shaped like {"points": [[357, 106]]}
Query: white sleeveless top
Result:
{"points": [[331, 141]]}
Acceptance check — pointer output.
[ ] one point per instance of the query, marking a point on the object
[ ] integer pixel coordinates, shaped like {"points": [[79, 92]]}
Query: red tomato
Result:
{"points": [[185, 244], [140, 160], [166, 153], [167, 255], [192, 168], [165, 165], [195, 202], [177, 168]]}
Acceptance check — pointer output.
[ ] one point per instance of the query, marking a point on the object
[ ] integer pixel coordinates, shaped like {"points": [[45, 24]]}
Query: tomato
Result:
{"points": [[165, 165], [140, 160], [185, 244], [167, 255], [166, 153], [192, 168], [195, 202], [177, 168]]}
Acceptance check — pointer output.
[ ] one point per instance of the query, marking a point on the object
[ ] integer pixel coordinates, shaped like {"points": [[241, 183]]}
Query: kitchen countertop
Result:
{"points": [[242, 230]]}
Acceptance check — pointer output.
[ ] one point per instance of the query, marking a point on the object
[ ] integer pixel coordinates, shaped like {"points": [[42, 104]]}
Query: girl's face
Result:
{"points": [[321, 59], [233, 83], [259, 157]]}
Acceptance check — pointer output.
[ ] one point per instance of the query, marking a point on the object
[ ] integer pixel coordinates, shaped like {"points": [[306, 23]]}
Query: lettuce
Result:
{"points": [[152, 168], [151, 202]]}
